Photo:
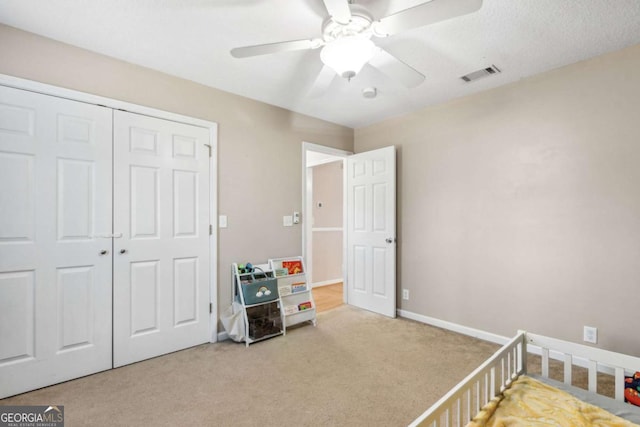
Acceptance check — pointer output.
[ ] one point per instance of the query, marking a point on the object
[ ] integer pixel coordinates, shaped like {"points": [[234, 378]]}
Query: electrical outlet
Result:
{"points": [[590, 334], [405, 294]]}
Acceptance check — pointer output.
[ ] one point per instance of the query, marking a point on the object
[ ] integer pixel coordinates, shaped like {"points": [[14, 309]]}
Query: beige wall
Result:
{"points": [[327, 257], [519, 207], [327, 188], [327, 245], [259, 158]]}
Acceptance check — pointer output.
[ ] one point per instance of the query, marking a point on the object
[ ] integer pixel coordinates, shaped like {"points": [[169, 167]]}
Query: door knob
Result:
{"points": [[390, 240], [123, 251], [104, 252]]}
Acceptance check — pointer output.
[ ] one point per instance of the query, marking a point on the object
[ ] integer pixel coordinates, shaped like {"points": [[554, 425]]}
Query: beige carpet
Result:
{"points": [[355, 368]]}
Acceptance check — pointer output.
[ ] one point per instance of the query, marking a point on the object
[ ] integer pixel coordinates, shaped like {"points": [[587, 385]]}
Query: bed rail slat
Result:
{"points": [[545, 362], [568, 363], [492, 381], [477, 407], [619, 376], [522, 350], [593, 376], [467, 408], [485, 398]]}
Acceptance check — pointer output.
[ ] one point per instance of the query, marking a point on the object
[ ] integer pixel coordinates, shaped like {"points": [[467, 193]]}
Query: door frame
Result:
{"points": [[46, 89], [307, 182]]}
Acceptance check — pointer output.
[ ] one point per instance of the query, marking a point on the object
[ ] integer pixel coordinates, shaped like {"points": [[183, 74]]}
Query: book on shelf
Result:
{"points": [[284, 290], [291, 309], [280, 272], [304, 306], [293, 266], [298, 287]]}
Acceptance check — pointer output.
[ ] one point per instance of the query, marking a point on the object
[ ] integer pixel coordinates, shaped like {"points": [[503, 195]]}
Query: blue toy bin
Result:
{"points": [[257, 291]]}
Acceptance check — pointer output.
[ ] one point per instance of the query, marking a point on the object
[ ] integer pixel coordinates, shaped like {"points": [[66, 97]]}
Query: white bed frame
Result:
{"points": [[496, 374]]}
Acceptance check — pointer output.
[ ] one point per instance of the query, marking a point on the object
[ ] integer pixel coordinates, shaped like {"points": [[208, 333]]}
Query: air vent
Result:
{"points": [[480, 74]]}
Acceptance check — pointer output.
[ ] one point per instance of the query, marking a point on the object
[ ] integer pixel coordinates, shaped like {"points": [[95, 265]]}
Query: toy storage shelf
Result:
{"points": [[296, 300], [258, 294]]}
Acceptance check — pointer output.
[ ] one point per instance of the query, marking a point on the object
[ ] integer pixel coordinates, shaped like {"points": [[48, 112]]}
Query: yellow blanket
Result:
{"points": [[531, 403]]}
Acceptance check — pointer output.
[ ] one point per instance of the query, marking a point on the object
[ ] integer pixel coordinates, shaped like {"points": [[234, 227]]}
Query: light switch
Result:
{"points": [[222, 221], [287, 221]]}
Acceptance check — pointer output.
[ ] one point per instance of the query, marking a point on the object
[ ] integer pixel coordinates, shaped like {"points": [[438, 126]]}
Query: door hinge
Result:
{"points": [[209, 147], [210, 229], [210, 307]]}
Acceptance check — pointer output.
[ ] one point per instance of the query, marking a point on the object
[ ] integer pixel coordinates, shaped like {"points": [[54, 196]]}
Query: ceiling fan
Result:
{"points": [[346, 39]]}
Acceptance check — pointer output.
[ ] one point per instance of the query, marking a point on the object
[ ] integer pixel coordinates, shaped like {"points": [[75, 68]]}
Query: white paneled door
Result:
{"points": [[161, 263], [55, 250], [371, 230]]}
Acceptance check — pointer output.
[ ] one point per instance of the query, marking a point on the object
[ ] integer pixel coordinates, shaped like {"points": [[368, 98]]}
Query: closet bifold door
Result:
{"points": [[161, 263], [55, 245]]}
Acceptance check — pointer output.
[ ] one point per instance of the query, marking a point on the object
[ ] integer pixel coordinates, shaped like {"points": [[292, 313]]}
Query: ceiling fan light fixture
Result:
{"points": [[347, 55]]}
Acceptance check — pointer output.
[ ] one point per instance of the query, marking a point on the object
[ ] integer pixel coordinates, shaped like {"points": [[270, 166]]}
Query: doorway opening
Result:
{"points": [[323, 212], [368, 226]]}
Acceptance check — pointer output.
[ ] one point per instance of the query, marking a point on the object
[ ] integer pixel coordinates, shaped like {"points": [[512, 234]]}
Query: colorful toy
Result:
{"points": [[245, 268], [632, 389]]}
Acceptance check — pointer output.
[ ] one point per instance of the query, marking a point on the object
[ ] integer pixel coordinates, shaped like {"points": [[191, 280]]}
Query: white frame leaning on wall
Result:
{"points": [[73, 95]]}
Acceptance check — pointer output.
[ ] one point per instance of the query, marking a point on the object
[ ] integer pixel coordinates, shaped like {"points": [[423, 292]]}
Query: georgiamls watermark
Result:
{"points": [[32, 416]]}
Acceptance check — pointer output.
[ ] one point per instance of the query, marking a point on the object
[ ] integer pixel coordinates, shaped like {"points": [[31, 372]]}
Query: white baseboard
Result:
{"points": [[494, 338], [465, 330], [327, 283]]}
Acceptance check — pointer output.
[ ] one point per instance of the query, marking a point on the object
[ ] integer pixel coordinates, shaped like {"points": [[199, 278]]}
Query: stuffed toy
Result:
{"points": [[632, 389]]}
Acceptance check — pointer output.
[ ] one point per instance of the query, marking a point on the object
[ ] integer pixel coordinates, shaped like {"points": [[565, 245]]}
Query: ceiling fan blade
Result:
{"points": [[338, 10], [263, 49], [322, 82], [396, 69], [424, 14]]}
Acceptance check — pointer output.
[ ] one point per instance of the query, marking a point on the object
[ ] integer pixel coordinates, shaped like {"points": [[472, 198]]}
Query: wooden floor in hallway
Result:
{"points": [[328, 297]]}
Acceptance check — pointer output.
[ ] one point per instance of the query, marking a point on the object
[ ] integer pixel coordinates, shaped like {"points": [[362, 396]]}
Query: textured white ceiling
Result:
{"points": [[192, 39]]}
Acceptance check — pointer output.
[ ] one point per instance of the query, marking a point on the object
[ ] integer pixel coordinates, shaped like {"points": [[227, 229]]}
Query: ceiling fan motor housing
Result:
{"points": [[358, 25]]}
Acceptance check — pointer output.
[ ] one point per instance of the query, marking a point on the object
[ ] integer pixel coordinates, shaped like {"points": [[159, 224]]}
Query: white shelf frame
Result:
{"points": [[307, 315]]}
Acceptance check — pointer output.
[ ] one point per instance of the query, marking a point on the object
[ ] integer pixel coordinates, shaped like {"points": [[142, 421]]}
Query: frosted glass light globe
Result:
{"points": [[347, 55]]}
